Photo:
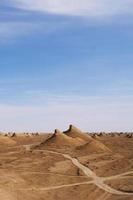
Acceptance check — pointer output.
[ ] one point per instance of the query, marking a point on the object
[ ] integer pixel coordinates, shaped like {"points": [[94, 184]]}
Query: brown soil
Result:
{"points": [[29, 171]]}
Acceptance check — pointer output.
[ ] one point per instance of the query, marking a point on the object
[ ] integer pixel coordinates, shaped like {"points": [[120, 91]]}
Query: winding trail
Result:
{"points": [[98, 181]]}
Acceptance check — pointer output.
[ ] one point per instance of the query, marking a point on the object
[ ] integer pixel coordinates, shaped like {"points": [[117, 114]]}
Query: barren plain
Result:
{"points": [[66, 165]]}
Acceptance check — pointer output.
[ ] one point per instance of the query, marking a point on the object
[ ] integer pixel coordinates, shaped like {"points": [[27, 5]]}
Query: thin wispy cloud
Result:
{"points": [[91, 8], [11, 30], [24, 25]]}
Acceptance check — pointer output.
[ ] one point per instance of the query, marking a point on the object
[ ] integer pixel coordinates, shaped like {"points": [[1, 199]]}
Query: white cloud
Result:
{"points": [[95, 9], [92, 8]]}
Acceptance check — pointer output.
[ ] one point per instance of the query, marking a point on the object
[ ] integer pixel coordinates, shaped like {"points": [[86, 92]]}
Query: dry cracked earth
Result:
{"points": [[66, 165]]}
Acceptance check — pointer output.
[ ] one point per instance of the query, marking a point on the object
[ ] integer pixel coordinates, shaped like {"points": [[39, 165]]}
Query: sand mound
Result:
{"points": [[6, 141], [60, 140], [93, 146], [73, 138], [77, 133], [90, 145]]}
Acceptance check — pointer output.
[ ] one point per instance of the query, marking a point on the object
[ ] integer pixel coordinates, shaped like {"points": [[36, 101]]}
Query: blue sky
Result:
{"points": [[66, 62]]}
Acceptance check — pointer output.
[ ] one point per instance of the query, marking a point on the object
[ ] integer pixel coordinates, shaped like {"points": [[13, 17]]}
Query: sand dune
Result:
{"points": [[77, 133], [91, 145], [60, 140], [74, 139]]}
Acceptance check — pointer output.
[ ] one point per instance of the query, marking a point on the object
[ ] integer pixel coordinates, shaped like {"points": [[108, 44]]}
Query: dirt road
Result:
{"points": [[98, 181]]}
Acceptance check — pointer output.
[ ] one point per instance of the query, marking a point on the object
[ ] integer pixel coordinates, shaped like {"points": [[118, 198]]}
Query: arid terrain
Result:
{"points": [[66, 165]]}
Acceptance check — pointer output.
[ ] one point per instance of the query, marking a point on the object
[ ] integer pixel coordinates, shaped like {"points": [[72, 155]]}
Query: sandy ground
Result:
{"points": [[51, 173]]}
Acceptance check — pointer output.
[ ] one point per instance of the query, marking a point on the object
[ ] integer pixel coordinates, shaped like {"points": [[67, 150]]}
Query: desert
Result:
{"points": [[66, 100], [60, 165]]}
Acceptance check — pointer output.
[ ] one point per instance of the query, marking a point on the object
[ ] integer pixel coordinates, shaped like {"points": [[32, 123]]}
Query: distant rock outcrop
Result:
{"points": [[13, 135]]}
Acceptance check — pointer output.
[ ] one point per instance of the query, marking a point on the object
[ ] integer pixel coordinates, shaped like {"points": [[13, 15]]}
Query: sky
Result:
{"points": [[66, 62]]}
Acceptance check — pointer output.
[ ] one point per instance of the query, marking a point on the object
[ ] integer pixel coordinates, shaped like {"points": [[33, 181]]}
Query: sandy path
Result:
{"points": [[98, 181], [121, 176], [57, 187]]}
